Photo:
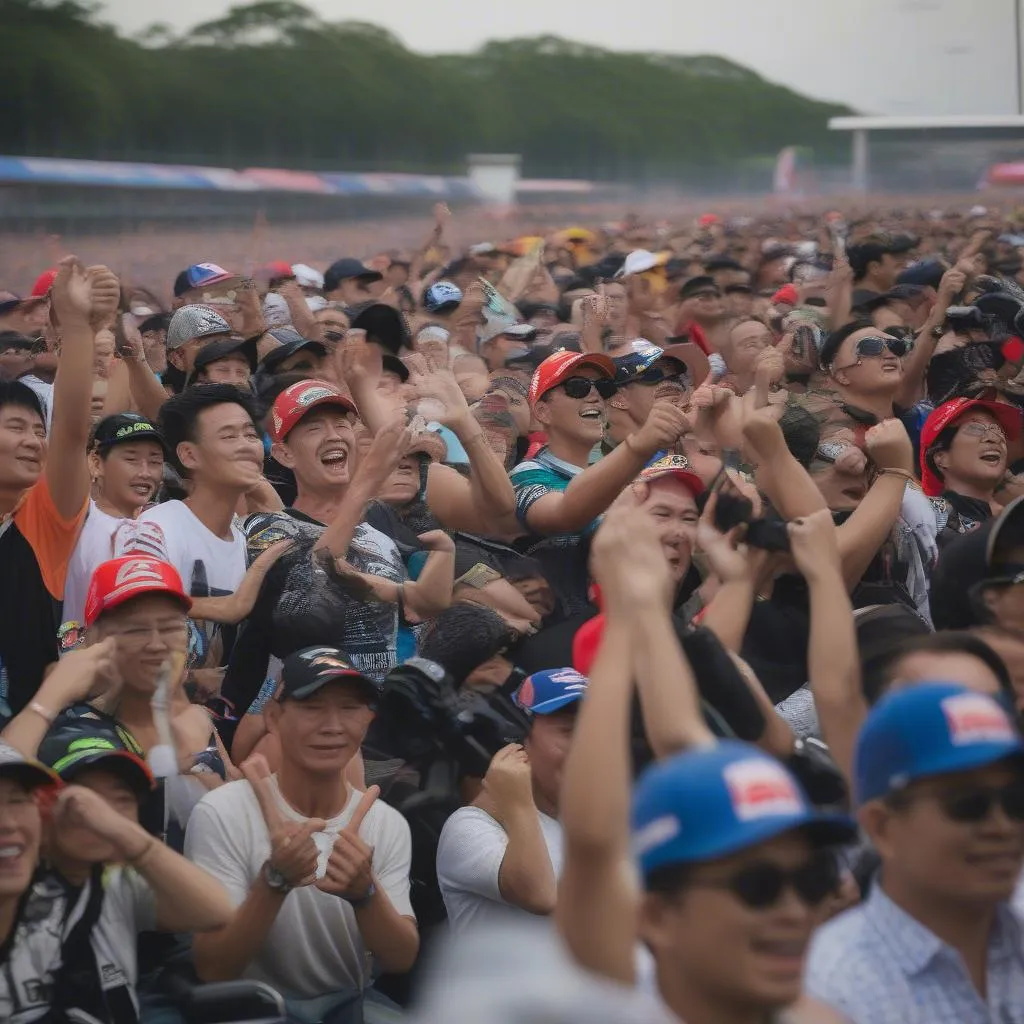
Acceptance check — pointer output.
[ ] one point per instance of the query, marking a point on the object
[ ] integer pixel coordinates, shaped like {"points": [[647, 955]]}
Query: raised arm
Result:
{"points": [[79, 299], [592, 492], [832, 660]]}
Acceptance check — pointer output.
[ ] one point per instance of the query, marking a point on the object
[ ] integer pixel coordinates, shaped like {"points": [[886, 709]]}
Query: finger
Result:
{"points": [[369, 798], [257, 772], [310, 826]]}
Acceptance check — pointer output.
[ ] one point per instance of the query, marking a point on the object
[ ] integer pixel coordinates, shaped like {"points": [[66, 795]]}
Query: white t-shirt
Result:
{"points": [[95, 545], [314, 947], [469, 856], [208, 565]]}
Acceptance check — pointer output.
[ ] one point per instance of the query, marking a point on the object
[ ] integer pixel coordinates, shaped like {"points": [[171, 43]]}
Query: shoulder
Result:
{"points": [[471, 824], [839, 944], [230, 803]]}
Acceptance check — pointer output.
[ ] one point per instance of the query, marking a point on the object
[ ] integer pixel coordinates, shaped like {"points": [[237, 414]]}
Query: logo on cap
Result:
{"points": [[133, 428], [760, 789], [975, 718], [141, 571], [314, 394]]}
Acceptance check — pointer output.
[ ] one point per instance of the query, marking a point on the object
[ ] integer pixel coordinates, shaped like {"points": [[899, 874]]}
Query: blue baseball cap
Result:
{"points": [[549, 691], [635, 363], [714, 801], [441, 297], [930, 729]]}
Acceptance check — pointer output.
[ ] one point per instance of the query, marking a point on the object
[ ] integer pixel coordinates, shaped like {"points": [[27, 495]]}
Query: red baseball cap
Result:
{"points": [[293, 403], [559, 367], [275, 269], [586, 643], [707, 219], [127, 577], [44, 282], [677, 466], [1008, 417]]}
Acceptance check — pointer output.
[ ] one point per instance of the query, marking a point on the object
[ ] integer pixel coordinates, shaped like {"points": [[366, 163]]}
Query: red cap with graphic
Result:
{"points": [[1007, 416], [129, 576], [293, 403], [560, 366]]}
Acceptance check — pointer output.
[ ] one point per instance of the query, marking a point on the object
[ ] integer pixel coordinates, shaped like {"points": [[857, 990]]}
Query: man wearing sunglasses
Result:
{"points": [[939, 780], [559, 495]]}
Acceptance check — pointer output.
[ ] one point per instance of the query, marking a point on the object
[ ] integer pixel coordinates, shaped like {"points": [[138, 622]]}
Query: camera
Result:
{"points": [[422, 716], [768, 533], [966, 318]]}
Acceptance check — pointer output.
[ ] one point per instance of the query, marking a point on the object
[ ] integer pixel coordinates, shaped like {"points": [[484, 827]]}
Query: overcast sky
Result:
{"points": [[880, 56]]}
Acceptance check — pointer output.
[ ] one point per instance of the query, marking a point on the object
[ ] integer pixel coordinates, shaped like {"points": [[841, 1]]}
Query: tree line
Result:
{"points": [[271, 84]]}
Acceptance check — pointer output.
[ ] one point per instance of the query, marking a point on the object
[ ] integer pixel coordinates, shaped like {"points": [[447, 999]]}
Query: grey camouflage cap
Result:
{"points": [[191, 322]]}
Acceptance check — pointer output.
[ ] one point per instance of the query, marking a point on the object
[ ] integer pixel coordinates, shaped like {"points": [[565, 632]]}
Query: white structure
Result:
{"points": [[998, 131], [495, 176]]}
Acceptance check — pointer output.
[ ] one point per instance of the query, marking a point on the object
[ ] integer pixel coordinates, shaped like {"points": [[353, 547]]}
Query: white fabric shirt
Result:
{"points": [[469, 856], [208, 565], [314, 947], [95, 545]]}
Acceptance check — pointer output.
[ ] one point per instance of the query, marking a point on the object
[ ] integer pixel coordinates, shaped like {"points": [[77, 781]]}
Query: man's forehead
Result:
{"points": [[672, 489]]}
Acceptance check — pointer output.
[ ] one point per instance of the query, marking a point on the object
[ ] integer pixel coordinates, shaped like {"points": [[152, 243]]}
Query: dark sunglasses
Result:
{"points": [[579, 387], [655, 376], [334, 335], [875, 346], [971, 806], [761, 885]]}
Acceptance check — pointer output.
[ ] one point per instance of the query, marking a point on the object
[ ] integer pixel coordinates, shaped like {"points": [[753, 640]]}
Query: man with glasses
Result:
{"points": [[559, 495], [964, 459], [938, 778]]}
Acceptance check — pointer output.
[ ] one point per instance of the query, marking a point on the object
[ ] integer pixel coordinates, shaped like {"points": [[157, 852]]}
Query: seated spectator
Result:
{"points": [[318, 872]]}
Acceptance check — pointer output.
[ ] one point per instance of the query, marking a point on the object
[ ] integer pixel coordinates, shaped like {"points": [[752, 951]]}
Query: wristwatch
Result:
{"points": [[276, 882], [361, 901]]}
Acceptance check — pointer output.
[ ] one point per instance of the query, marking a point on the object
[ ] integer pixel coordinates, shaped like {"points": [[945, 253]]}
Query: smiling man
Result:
{"points": [[559, 497]]}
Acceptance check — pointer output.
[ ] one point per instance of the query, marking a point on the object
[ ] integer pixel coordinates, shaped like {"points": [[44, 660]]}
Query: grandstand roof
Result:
{"points": [[853, 124]]}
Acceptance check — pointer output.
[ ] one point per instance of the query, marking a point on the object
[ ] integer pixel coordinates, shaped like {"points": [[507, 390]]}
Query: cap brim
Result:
{"points": [[392, 364], [549, 707], [142, 435], [692, 357], [952, 760], [444, 307], [823, 830], [31, 774], [693, 483], [1013, 512], [119, 762], [364, 683]]}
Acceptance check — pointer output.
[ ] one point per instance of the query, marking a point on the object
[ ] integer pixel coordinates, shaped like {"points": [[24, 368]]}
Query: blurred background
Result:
{"points": [[133, 116]]}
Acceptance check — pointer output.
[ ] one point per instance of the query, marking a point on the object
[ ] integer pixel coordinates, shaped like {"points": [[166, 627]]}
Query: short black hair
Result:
{"points": [[879, 675], [463, 637], [179, 415], [830, 346], [14, 392]]}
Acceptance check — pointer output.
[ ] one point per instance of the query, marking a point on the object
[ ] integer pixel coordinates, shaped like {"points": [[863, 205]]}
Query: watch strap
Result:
{"points": [[275, 880]]}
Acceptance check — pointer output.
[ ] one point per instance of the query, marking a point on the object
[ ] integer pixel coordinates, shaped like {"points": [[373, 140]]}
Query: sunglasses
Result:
{"points": [[872, 347], [982, 430], [971, 806], [655, 376], [761, 885], [579, 387]]}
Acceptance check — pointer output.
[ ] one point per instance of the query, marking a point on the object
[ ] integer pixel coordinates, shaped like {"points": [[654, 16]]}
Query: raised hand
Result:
{"points": [[508, 783], [84, 809], [104, 296], [349, 872], [293, 852], [729, 559], [440, 384], [384, 454], [813, 544], [71, 292], [595, 310], [666, 423], [85, 672], [360, 363], [889, 446]]}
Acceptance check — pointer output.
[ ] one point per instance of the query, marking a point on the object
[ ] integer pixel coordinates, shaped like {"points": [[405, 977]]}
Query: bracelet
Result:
{"points": [[905, 473], [43, 713], [361, 901]]}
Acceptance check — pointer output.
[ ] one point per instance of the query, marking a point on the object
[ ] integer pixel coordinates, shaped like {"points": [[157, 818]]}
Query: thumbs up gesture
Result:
{"points": [[350, 866], [293, 852]]}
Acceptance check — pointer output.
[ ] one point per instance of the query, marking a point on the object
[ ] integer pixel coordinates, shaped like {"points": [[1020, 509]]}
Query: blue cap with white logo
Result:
{"points": [[441, 297], [929, 729], [714, 801], [549, 691], [635, 363]]}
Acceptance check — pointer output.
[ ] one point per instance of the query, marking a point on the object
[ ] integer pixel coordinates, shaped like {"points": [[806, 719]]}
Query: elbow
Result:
{"points": [[210, 965], [401, 958], [535, 896]]}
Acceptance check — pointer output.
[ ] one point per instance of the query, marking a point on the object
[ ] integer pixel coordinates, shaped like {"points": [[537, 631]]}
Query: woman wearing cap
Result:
{"points": [[964, 459], [735, 863]]}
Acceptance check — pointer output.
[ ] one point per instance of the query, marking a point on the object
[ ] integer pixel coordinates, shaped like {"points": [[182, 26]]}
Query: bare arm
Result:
{"points": [[302, 316], [78, 297], [787, 485], [832, 658]]}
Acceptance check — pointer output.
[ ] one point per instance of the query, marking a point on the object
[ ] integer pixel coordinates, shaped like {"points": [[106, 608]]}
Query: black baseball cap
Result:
{"points": [[926, 273], [124, 428], [82, 737], [392, 364], [384, 325], [310, 669], [275, 357], [899, 293], [221, 349], [347, 268]]}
